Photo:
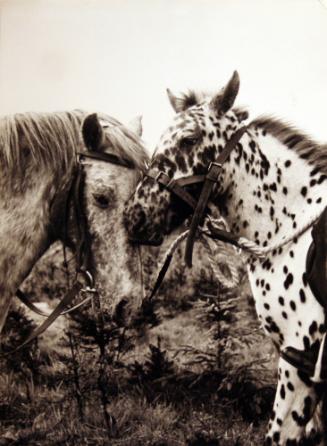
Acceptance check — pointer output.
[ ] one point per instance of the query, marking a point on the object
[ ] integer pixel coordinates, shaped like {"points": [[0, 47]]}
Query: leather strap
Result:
{"points": [[83, 246], [222, 235], [23, 298], [306, 361], [160, 277], [316, 261], [173, 185], [68, 298], [107, 157], [210, 179], [300, 359]]}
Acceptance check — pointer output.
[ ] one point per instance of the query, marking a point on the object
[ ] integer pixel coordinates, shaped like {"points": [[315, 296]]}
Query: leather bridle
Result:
{"points": [[209, 179], [83, 251]]}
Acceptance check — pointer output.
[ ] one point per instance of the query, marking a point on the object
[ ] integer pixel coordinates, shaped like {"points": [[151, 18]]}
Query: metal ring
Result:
{"points": [[88, 277]]}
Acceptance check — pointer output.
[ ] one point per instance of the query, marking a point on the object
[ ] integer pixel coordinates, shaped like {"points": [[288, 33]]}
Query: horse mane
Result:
{"points": [[192, 97], [304, 145], [52, 139]]}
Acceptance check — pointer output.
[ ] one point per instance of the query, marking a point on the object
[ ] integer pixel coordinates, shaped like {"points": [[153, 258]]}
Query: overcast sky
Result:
{"points": [[119, 56]]}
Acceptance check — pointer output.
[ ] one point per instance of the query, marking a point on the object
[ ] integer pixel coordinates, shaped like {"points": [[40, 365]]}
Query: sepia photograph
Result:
{"points": [[163, 222]]}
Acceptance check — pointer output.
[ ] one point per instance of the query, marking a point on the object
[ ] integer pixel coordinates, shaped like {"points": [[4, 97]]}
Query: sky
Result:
{"points": [[119, 56]]}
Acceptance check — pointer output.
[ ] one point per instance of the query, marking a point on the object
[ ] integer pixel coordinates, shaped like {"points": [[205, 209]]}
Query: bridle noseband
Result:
{"points": [[209, 179]]}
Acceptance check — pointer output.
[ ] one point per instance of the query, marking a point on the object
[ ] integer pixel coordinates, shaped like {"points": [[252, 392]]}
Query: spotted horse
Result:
{"points": [[269, 187]]}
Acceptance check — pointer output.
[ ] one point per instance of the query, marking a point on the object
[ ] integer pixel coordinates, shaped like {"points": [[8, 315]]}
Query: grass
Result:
{"points": [[138, 421], [202, 377]]}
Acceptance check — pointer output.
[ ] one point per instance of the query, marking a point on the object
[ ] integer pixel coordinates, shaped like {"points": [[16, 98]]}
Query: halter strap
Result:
{"points": [[210, 179], [176, 186]]}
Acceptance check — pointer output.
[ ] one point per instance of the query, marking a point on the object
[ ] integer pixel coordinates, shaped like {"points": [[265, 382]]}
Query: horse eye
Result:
{"points": [[188, 142], [101, 200]]}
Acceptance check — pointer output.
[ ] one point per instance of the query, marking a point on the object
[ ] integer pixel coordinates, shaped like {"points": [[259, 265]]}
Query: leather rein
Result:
{"points": [[83, 246], [209, 179]]}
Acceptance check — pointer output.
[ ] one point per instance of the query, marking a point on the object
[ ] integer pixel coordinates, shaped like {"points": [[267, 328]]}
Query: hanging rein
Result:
{"points": [[312, 363], [84, 267]]}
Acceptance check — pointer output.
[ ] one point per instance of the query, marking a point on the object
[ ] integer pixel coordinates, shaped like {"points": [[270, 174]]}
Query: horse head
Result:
{"points": [[186, 148], [50, 192], [116, 262]]}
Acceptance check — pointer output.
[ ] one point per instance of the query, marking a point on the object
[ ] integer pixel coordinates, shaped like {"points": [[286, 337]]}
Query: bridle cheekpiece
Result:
{"points": [[209, 179]]}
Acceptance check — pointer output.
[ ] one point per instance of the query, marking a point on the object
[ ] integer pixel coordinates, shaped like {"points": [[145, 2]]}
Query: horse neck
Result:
{"points": [[273, 191], [26, 215]]}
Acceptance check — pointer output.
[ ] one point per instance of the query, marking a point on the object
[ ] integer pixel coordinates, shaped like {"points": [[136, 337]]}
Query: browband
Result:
{"points": [[107, 157]]}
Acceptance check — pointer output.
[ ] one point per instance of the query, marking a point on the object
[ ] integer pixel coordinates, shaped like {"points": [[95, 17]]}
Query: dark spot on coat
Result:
{"points": [[288, 281], [313, 328], [293, 305], [282, 392], [290, 386]]}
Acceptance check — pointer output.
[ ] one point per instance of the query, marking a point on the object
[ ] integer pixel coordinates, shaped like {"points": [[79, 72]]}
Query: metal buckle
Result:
{"points": [[211, 174], [159, 174], [80, 159], [212, 163]]}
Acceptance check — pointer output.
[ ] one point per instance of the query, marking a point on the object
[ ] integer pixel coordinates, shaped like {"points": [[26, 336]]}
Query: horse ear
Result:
{"points": [[135, 125], [222, 102], [92, 132], [175, 102]]}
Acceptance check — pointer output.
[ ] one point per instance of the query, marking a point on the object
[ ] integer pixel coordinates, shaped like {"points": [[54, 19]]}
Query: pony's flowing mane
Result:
{"points": [[304, 145], [52, 139]]}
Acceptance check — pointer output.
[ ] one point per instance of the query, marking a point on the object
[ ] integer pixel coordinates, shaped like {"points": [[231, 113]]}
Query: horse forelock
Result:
{"points": [[124, 142], [314, 152]]}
